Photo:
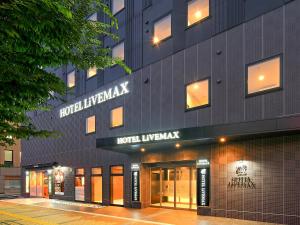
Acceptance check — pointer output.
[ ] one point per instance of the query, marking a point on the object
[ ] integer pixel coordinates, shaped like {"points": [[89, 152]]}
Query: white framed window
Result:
{"points": [[117, 6], [91, 72], [264, 76], [118, 51], [162, 29], [197, 11], [197, 94], [90, 124], [116, 117], [71, 79]]}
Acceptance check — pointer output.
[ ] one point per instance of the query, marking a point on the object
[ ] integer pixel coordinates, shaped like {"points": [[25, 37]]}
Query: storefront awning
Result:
{"points": [[201, 135], [41, 165]]}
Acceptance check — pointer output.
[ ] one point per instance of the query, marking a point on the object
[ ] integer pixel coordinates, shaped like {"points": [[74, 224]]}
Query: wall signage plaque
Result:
{"points": [[135, 178], [241, 178], [151, 137], [102, 96]]}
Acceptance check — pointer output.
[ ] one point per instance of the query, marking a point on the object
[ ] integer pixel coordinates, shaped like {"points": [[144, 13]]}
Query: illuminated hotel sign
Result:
{"points": [[103, 96], [135, 176], [203, 182], [152, 137]]}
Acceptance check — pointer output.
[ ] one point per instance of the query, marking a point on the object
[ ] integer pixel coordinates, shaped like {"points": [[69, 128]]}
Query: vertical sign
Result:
{"points": [[135, 178], [203, 183]]}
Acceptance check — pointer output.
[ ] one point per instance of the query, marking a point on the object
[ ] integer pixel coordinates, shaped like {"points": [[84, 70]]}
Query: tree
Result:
{"points": [[39, 34]]}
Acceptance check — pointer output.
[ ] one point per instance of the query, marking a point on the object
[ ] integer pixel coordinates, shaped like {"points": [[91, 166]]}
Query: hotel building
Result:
{"points": [[208, 120]]}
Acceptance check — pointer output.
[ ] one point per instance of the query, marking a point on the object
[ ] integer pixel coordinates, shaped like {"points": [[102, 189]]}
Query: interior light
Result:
{"points": [[198, 14], [196, 86], [177, 145], [155, 40], [143, 149], [261, 77], [222, 139]]}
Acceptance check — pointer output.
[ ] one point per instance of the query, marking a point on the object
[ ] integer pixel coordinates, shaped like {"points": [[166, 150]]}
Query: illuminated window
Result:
{"points": [[79, 184], [116, 117], [197, 11], [90, 124], [8, 157], [91, 72], [264, 75], [162, 29], [96, 182], [27, 180], [117, 185], [93, 17], [117, 6], [197, 94], [71, 79], [118, 51]]}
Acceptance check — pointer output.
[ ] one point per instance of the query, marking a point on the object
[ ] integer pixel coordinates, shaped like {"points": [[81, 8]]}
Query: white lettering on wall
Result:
{"points": [[172, 135], [103, 96]]}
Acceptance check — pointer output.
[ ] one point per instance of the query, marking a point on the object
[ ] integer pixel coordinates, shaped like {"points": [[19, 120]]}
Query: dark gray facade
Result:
{"points": [[236, 34]]}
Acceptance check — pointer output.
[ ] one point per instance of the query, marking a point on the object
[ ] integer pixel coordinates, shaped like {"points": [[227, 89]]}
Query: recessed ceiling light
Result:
{"points": [[222, 139], [143, 149], [261, 77], [177, 145], [155, 40]]}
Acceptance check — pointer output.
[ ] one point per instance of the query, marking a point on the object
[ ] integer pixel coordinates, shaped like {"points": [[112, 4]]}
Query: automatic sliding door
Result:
{"points": [[167, 187], [155, 187], [183, 187]]}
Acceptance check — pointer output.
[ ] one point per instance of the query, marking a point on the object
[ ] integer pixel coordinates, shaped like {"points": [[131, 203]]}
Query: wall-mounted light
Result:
{"points": [[177, 145]]}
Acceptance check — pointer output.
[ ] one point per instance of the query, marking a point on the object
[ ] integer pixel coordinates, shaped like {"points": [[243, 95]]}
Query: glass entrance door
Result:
{"points": [[174, 187]]}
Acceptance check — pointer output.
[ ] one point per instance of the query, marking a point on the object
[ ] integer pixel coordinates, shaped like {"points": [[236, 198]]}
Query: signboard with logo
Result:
{"points": [[59, 182], [135, 178], [203, 182], [241, 178]]}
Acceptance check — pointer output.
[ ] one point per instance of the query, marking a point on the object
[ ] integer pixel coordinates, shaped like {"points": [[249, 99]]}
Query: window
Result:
{"points": [[197, 94], [93, 17], [71, 79], [27, 180], [8, 157], [197, 11], [96, 184], [79, 184], [59, 182], [90, 125], [117, 185], [162, 29], [116, 116], [91, 72], [264, 76], [118, 51], [117, 6]]}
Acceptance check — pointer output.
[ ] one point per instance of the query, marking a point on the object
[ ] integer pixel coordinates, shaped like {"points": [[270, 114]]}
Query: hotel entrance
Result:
{"points": [[174, 187], [40, 182]]}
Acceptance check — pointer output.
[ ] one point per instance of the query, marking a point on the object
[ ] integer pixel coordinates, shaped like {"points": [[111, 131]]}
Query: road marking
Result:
{"points": [[95, 214], [25, 218]]}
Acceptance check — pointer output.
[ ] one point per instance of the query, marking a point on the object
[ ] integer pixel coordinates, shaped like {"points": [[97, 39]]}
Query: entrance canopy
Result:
{"points": [[200, 135]]}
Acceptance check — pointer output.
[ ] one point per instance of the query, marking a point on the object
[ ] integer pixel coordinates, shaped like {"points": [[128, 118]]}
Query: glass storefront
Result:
{"points": [[174, 187], [117, 185], [96, 185], [39, 184], [79, 185]]}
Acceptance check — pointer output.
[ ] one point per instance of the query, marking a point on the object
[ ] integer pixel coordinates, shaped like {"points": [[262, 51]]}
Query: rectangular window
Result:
{"points": [[117, 6], [162, 29], [197, 11], [8, 157], [90, 124], [197, 94], [118, 51], [264, 76], [79, 184], [91, 72], [117, 185], [93, 17], [116, 117], [71, 79], [96, 184], [27, 180]]}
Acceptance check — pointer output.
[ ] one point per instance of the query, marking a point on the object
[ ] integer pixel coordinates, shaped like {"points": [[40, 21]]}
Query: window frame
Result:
{"points": [[115, 45], [91, 186], [67, 78], [209, 95], [79, 175], [118, 12], [153, 26], [87, 72], [258, 93], [199, 21], [110, 125], [86, 125], [110, 183], [9, 163]]}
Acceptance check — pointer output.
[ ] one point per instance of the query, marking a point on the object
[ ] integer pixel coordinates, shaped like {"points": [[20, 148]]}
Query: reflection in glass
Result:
{"points": [[155, 187], [167, 186], [183, 187]]}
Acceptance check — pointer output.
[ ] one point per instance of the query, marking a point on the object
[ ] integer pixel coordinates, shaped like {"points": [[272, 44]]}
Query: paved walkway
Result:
{"points": [[37, 211]]}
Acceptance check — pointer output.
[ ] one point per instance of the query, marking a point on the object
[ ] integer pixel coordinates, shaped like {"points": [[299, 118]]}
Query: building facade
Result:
{"points": [[208, 120], [10, 171]]}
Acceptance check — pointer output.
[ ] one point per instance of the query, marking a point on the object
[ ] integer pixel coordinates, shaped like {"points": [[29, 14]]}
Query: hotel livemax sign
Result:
{"points": [[102, 96]]}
